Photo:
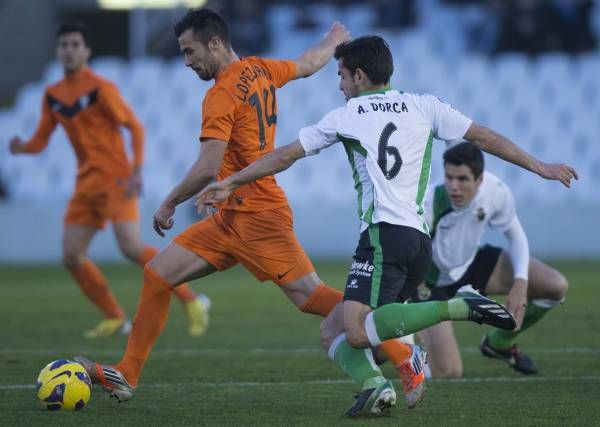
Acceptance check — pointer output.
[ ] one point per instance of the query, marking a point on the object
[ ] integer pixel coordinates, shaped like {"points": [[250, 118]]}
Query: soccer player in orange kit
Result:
{"points": [[254, 227], [92, 111]]}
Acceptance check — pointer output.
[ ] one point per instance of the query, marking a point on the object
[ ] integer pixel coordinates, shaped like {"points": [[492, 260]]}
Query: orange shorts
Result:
{"points": [[97, 209], [263, 242]]}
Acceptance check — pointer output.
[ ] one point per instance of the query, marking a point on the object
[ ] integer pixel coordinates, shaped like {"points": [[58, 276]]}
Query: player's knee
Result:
{"points": [[562, 286], [357, 338], [163, 272], [72, 258], [558, 289], [151, 274], [131, 251]]}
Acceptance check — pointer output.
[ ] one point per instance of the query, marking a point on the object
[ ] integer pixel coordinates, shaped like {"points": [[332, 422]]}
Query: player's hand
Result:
{"points": [[338, 33], [212, 194], [516, 301], [558, 172], [134, 184], [16, 145], [163, 218]]}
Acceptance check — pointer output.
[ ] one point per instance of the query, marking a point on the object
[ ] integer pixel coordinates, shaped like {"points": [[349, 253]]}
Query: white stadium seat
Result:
{"points": [[550, 106]]}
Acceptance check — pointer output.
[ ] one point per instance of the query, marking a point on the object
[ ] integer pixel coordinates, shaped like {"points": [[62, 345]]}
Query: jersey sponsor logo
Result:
{"points": [[423, 292], [72, 110], [353, 284], [364, 269], [281, 275], [384, 107]]}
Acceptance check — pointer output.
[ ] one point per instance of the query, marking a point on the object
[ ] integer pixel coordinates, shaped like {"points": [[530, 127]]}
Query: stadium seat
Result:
{"points": [[110, 68], [52, 73], [358, 18], [549, 106]]}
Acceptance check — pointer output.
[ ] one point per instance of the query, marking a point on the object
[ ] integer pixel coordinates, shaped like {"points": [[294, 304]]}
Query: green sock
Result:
{"points": [[499, 338], [358, 364], [397, 320], [458, 309]]}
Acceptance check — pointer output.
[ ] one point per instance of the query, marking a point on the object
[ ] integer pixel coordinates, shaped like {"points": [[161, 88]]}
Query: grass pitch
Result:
{"points": [[260, 362]]}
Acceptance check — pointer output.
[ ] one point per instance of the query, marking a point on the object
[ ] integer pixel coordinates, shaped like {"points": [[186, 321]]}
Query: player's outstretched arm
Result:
{"points": [[500, 146], [202, 172], [274, 162], [317, 56], [40, 138]]}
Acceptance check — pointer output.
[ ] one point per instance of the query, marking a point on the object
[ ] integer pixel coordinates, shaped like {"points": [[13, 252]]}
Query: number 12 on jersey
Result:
{"points": [[269, 119]]}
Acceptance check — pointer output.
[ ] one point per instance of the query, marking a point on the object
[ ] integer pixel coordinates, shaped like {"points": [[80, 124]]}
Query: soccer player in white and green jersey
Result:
{"points": [[388, 137], [458, 211]]}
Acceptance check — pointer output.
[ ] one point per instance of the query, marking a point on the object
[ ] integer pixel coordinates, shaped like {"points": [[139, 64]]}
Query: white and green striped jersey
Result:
{"points": [[457, 232], [388, 138]]}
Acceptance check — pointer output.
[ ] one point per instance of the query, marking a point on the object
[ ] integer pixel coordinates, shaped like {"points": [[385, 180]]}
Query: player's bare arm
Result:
{"points": [[516, 300], [518, 250], [494, 143], [202, 172], [134, 183], [317, 56], [276, 161]]}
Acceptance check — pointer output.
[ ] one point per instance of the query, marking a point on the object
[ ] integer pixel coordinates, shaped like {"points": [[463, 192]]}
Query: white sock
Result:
{"points": [[371, 331], [334, 346]]}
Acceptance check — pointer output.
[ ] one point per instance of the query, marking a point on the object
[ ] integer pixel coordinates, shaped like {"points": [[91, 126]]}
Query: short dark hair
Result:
{"points": [[466, 154], [205, 23], [369, 53], [75, 27]]}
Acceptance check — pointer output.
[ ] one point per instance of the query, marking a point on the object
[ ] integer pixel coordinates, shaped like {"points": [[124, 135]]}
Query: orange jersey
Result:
{"points": [[91, 110], [241, 109]]}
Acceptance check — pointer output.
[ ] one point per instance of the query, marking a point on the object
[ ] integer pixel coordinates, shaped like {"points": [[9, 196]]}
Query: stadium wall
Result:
{"points": [[32, 231]]}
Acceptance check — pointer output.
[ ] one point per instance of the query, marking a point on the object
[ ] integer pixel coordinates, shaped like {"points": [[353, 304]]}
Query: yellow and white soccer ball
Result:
{"points": [[64, 384]]}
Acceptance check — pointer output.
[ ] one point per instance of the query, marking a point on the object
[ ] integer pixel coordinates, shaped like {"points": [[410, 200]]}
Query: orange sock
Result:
{"points": [[95, 287], [396, 351], [182, 292], [148, 323], [322, 300]]}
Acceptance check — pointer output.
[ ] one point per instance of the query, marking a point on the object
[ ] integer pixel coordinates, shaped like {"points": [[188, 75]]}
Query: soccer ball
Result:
{"points": [[64, 384]]}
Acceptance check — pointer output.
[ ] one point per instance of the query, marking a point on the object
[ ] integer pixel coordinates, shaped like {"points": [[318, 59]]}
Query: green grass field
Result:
{"points": [[260, 362]]}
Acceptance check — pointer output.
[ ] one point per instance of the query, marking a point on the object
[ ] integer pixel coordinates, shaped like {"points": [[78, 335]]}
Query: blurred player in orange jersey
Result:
{"points": [[92, 111], [254, 226]]}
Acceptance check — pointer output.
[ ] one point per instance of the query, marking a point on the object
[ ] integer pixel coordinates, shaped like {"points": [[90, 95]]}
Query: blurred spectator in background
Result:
{"points": [[305, 19], [538, 26], [572, 22], [395, 13], [390, 14], [249, 30], [3, 191]]}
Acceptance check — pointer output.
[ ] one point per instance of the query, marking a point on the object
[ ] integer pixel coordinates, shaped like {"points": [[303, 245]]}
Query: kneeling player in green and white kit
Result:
{"points": [[388, 137], [459, 210]]}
